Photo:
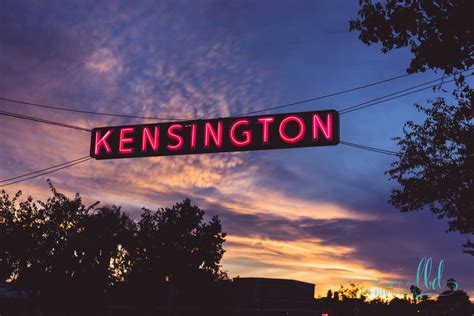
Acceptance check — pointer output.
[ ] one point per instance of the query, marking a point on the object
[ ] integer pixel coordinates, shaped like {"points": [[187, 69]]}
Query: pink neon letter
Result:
{"points": [[318, 123], [298, 137], [265, 122], [217, 137], [102, 142], [177, 138], [146, 138], [193, 136], [125, 140], [248, 134]]}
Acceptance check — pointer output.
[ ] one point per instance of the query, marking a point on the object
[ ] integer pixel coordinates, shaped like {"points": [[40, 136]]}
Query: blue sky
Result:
{"points": [[316, 214]]}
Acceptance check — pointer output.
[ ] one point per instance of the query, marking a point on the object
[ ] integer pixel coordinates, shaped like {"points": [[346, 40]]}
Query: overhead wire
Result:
{"points": [[373, 149], [60, 108], [353, 89], [40, 120], [356, 107], [74, 162], [349, 109], [90, 112], [365, 104], [323, 96], [384, 99], [238, 115], [46, 172], [87, 158], [41, 170]]}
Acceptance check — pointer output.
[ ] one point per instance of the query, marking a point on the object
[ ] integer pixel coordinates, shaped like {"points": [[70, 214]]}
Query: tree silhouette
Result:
{"points": [[415, 291], [355, 291], [77, 258], [438, 33], [329, 294], [175, 246], [455, 304], [102, 248], [40, 247], [20, 241], [436, 165]]}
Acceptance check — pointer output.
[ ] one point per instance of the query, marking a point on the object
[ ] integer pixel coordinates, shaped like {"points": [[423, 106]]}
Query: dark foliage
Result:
{"points": [[439, 33], [436, 158], [436, 165], [65, 256], [352, 302]]}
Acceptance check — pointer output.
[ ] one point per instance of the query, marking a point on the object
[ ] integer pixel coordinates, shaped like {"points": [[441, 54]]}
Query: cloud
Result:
{"points": [[317, 215], [103, 60]]}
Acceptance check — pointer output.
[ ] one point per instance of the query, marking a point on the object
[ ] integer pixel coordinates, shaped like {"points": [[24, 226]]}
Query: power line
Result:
{"points": [[86, 158], [175, 119], [40, 120], [343, 111], [89, 112], [373, 149], [325, 96], [47, 172], [367, 104], [88, 130], [346, 110], [41, 170], [357, 88], [395, 93]]}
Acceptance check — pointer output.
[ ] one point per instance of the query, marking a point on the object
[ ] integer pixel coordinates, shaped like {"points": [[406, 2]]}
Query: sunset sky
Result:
{"points": [[318, 214]]}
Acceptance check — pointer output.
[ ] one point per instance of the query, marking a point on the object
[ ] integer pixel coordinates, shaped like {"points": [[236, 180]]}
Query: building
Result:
{"points": [[273, 297]]}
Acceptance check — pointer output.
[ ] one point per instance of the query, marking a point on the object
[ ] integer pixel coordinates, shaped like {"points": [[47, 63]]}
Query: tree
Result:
{"points": [[61, 221], [415, 291], [176, 247], [103, 248], [40, 244], [354, 292], [455, 303], [183, 242], [20, 246], [436, 164], [64, 253], [438, 32], [329, 294], [73, 257], [436, 158]]}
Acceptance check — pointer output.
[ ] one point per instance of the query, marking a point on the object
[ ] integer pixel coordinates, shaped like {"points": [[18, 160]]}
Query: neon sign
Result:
{"points": [[291, 130]]}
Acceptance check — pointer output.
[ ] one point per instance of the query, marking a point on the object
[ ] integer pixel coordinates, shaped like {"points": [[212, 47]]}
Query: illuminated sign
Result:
{"points": [[291, 130]]}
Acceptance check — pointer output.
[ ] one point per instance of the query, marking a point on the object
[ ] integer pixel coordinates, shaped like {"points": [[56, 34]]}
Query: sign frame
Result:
{"points": [[228, 134]]}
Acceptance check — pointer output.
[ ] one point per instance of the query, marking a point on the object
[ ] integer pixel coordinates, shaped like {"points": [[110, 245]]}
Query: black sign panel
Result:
{"points": [[290, 130]]}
